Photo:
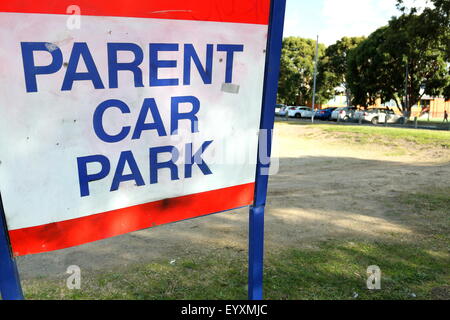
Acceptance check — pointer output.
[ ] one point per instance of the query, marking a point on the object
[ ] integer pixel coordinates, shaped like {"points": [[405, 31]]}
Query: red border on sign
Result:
{"points": [[69, 233], [237, 11]]}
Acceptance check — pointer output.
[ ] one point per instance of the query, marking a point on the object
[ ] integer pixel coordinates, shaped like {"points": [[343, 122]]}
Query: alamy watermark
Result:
{"points": [[74, 280], [374, 278], [74, 21]]}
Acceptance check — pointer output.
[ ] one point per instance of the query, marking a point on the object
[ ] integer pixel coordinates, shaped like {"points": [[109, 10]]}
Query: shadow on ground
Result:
{"points": [[311, 200]]}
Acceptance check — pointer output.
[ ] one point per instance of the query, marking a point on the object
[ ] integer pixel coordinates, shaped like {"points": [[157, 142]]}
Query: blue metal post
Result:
{"points": [[256, 221], [10, 288]]}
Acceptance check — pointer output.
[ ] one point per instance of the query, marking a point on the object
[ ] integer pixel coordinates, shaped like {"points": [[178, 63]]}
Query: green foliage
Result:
{"points": [[366, 70], [441, 9], [297, 71], [439, 16], [377, 67], [333, 67]]}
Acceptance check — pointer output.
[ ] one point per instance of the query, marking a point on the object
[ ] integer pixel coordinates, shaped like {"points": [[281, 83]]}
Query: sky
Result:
{"points": [[334, 19]]}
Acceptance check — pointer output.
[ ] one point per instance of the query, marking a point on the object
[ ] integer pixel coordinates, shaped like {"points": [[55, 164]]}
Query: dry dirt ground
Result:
{"points": [[326, 188]]}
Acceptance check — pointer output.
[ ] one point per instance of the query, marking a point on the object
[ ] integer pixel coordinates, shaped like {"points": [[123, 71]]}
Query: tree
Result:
{"points": [[365, 69], [333, 68], [441, 8], [297, 71], [409, 46], [438, 19]]}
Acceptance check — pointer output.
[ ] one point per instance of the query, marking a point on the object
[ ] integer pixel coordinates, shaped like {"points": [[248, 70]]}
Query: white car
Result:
{"points": [[300, 112], [345, 113], [281, 110], [378, 115]]}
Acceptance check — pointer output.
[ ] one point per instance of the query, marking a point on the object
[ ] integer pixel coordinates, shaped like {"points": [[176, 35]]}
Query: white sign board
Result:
{"points": [[124, 123]]}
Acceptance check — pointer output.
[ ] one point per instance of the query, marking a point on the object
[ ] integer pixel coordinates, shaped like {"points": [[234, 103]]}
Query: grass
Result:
{"points": [[331, 271], [417, 269], [338, 271], [434, 200], [421, 137], [431, 214], [387, 135]]}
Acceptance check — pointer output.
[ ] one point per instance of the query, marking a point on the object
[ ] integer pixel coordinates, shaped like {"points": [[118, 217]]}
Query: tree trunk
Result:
{"points": [[349, 97]]}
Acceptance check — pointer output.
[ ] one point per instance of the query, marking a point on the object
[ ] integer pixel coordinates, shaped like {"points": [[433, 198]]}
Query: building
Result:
{"points": [[431, 107]]}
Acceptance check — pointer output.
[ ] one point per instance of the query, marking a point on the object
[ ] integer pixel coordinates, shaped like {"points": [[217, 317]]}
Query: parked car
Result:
{"points": [[300, 112], [379, 115], [281, 110], [324, 114], [344, 113]]}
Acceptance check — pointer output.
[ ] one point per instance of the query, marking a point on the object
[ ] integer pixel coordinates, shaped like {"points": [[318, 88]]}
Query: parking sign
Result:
{"points": [[119, 115]]}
